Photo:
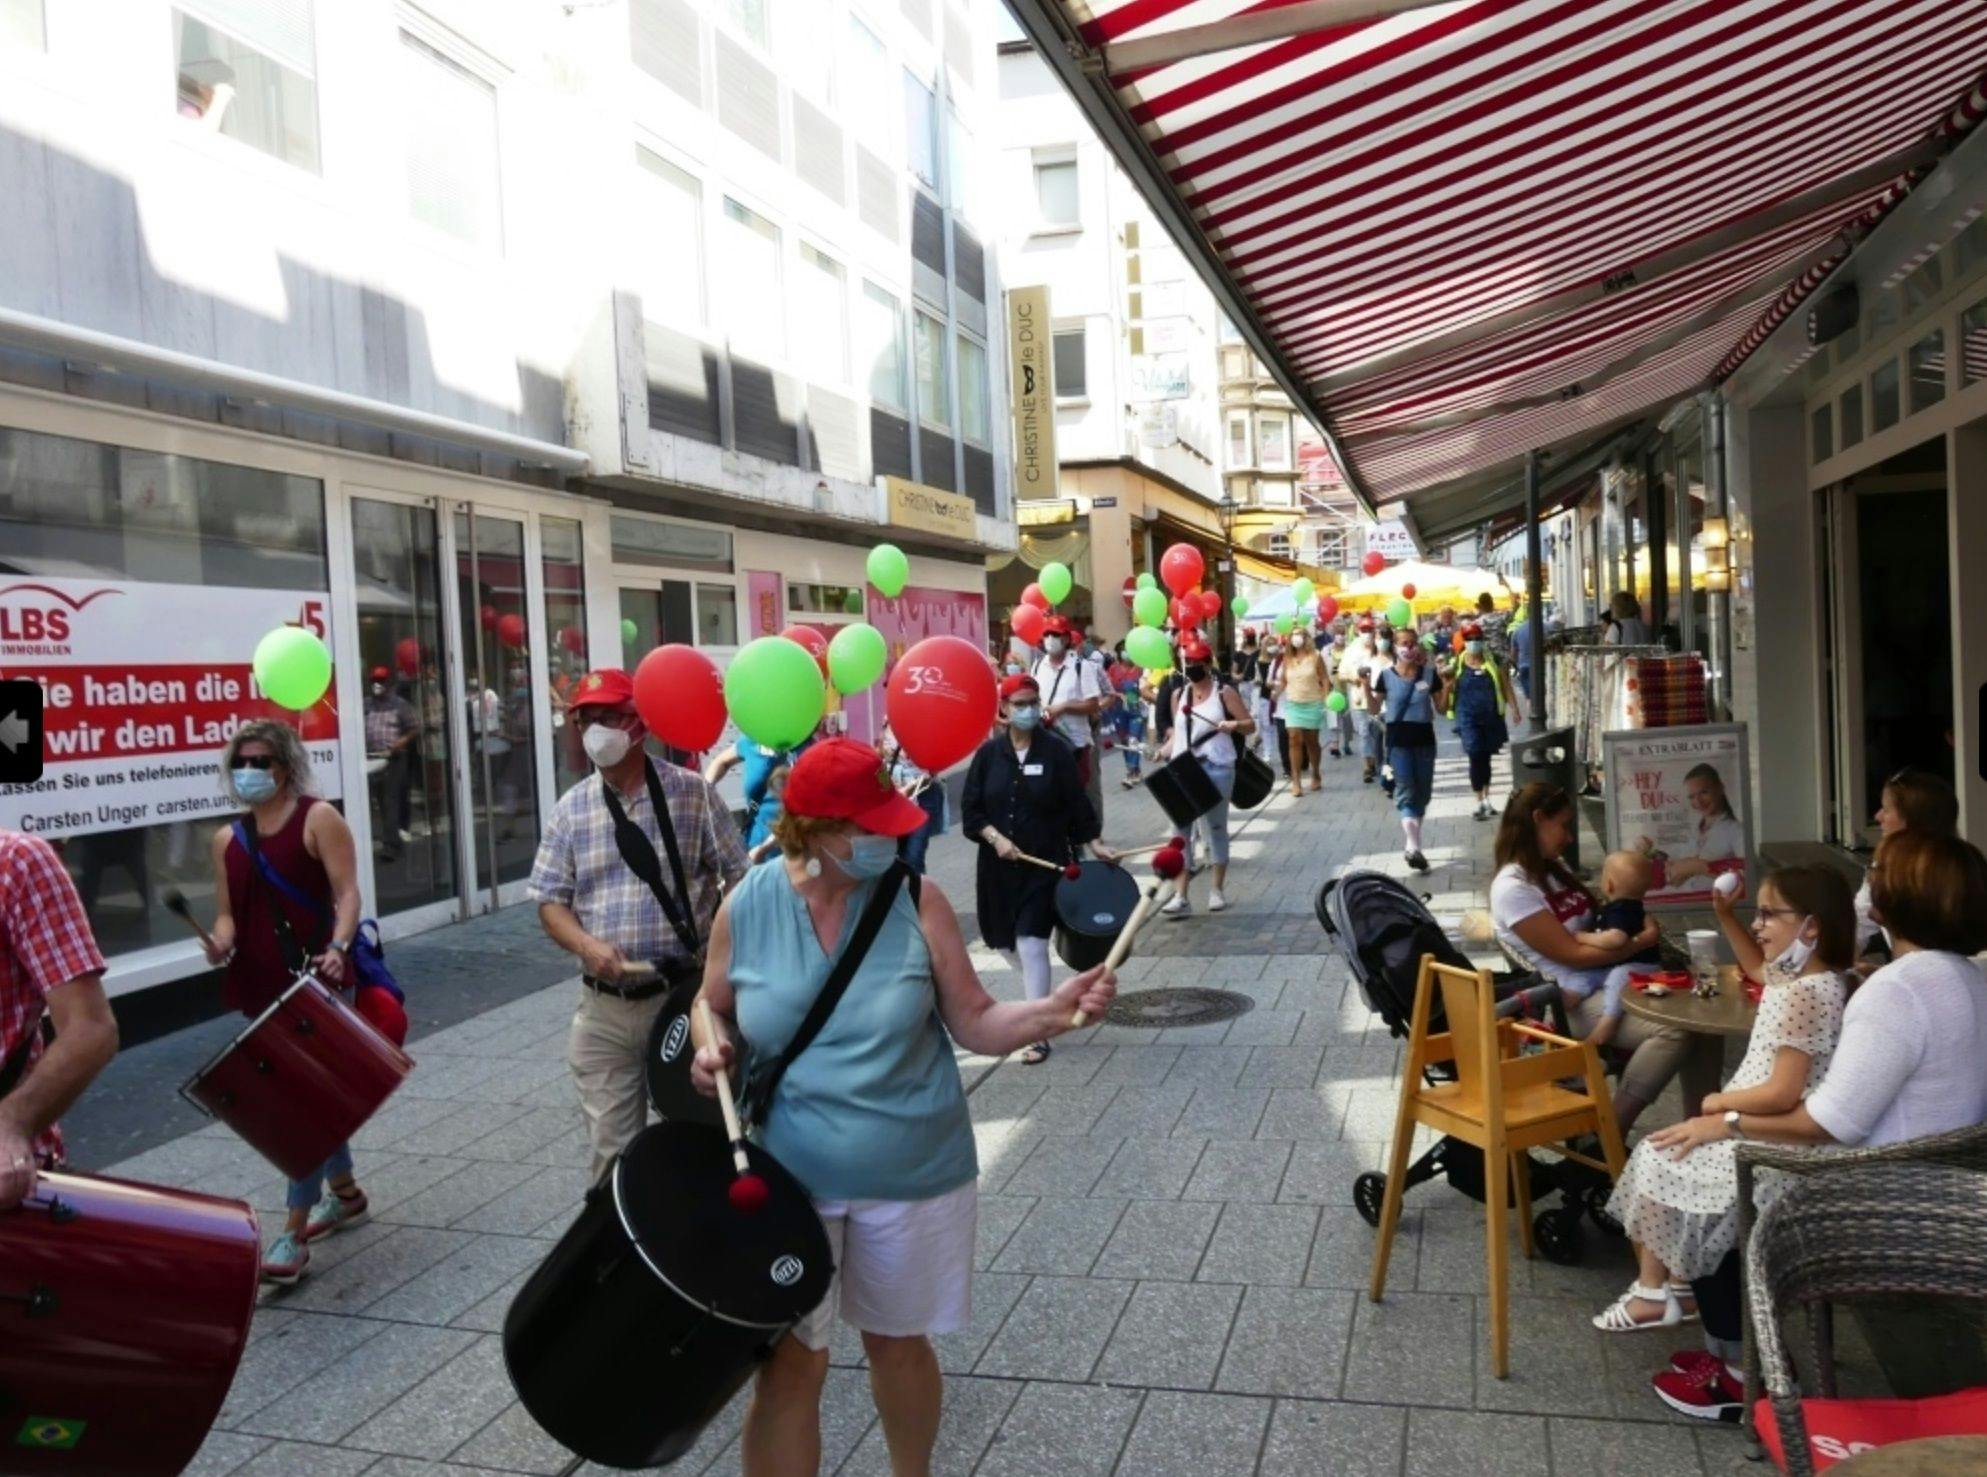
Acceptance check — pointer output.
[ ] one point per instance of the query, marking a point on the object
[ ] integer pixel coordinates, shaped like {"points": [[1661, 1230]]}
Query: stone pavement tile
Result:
{"points": [[994, 1297], [1303, 1114], [268, 1320], [528, 1205], [357, 1282], [1586, 1448], [1061, 1235], [514, 1443], [1151, 1169], [406, 1466], [1171, 1335], [1071, 1110], [458, 1282], [1411, 1350], [1160, 1239], [399, 1117], [516, 1082], [1211, 1034], [574, 1147], [531, 1129], [1554, 1348], [1297, 969], [1003, 1147], [1372, 1063], [1008, 1093], [1063, 1166], [1180, 1435], [1370, 1113], [461, 1194], [1457, 1443], [1288, 1341], [488, 1315], [1071, 1064], [1283, 1066], [223, 1452], [390, 1180], [1265, 1028], [1057, 1329], [343, 1395], [1453, 1255], [1139, 1112], [1139, 1066], [1322, 1173], [182, 1161], [1209, 1066], [1260, 1244], [1308, 1438], [1109, 1034], [1330, 1027], [450, 1133], [972, 1412], [1238, 1169], [1000, 1217], [1223, 1112], [453, 1077], [288, 1458], [273, 1366], [1065, 1430], [445, 1409]]}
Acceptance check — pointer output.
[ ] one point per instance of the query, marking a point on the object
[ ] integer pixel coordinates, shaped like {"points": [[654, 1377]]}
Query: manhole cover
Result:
{"points": [[1188, 1006]]}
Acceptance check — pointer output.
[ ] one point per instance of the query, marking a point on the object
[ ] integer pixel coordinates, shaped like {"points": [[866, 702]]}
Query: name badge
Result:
{"points": [[1031, 769]]}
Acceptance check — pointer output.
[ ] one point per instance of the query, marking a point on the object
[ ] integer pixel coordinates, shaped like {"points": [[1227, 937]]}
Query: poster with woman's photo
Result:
{"points": [[1680, 797]]}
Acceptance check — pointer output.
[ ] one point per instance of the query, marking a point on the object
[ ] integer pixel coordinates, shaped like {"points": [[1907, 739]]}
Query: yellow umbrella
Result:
{"points": [[1435, 585]]}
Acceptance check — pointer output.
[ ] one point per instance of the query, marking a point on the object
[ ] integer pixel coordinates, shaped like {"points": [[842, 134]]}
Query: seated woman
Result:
{"points": [[1912, 800], [1683, 1215], [1539, 910]]}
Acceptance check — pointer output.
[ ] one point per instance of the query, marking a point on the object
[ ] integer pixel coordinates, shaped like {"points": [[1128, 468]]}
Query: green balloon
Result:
{"points": [[1428, 642], [1240, 606], [1399, 613], [888, 570], [1148, 581], [1336, 701], [856, 657], [292, 667], [629, 631], [1285, 624], [1055, 582], [852, 602], [1303, 591], [1148, 607], [774, 692], [1146, 646]]}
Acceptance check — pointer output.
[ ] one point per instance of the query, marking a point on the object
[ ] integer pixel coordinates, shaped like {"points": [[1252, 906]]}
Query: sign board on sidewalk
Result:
{"points": [[1681, 797]]}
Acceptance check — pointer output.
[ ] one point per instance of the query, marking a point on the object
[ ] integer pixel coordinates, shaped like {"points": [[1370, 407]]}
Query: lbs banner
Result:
{"points": [[142, 686]]}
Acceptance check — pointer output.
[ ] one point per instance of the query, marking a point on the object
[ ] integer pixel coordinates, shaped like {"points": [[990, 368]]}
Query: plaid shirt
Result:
{"points": [[389, 719], [44, 942], [579, 865]]}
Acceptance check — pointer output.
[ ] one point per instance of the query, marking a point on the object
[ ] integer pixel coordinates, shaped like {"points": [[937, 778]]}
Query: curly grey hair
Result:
{"points": [[283, 741]]}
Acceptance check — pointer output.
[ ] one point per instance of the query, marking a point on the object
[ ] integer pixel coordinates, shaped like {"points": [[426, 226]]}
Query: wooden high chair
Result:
{"points": [[1501, 1103]]}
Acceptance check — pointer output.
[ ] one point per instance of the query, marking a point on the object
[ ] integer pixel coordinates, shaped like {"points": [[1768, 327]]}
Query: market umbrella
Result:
{"points": [[1435, 585], [1277, 602]]}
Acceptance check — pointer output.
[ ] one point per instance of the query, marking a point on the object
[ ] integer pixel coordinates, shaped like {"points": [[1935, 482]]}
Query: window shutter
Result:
{"points": [[748, 97], [451, 146], [279, 29], [918, 13], [817, 151], [663, 35], [876, 195]]}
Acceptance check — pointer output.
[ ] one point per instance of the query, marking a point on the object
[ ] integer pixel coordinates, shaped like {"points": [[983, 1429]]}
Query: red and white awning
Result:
{"points": [[1473, 228]]}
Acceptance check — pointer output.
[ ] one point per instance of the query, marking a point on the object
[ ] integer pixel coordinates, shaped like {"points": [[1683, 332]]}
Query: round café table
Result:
{"points": [[1937, 1456], [1728, 1013]]}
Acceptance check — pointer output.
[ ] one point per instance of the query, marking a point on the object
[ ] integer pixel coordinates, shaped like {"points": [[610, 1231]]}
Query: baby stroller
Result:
{"points": [[1383, 929]]}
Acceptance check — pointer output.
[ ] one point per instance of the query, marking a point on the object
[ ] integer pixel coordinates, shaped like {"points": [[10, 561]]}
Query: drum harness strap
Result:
{"points": [[639, 853], [294, 953]]}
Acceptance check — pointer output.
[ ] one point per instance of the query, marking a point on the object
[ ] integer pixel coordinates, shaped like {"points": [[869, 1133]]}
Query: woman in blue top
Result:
{"points": [[762, 795], [871, 1117], [1408, 692]]}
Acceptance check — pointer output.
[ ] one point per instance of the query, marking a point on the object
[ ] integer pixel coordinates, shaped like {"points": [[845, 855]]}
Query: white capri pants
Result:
{"points": [[903, 1268]]}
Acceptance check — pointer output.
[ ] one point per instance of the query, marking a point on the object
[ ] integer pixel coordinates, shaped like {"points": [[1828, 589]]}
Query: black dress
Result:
{"points": [[1037, 801]]}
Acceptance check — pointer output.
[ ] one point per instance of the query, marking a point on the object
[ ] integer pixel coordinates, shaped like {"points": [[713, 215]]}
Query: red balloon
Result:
{"points": [[377, 1007], [573, 639], [489, 617], [813, 640], [1374, 562], [510, 629], [941, 700], [407, 656], [1033, 595], [1327, 608], [1210, 602], [1407, 592], [1027, 622], [679, 693], [1181, 567]]}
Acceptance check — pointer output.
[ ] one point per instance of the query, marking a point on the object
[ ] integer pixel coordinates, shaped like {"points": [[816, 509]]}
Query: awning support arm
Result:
{"points": [[1535, 593], [1249, 30]]}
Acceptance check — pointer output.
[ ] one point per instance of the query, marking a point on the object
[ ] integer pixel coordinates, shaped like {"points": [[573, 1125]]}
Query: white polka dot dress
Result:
{"points": [[1686, 1212]]}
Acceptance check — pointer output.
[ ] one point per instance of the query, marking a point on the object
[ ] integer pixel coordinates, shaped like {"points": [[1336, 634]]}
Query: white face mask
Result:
{"points": [[1794, 958], [1053, 645], [606, 746]]}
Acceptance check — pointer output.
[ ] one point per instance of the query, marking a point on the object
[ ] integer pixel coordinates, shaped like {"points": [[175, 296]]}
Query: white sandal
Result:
{"points": [[1678, 1292], [1615, 1318]]}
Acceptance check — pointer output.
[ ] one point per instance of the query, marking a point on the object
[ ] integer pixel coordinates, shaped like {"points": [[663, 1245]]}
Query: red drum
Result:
{"points": [[301, 1079], [124, 1309]]}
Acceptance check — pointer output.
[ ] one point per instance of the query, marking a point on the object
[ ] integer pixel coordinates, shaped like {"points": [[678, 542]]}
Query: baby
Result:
{"points": [[1625, 878]]}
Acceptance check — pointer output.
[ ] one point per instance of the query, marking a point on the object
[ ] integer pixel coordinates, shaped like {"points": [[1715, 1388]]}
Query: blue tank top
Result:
{"points": [[874, 1108]]}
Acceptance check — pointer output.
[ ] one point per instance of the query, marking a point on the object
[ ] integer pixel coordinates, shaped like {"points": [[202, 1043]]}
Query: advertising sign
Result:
{"points": [[1160, 377], [1031, 368], [1391, 540], [142, 686], [1681, 797], [905, 621], [928, 509]]}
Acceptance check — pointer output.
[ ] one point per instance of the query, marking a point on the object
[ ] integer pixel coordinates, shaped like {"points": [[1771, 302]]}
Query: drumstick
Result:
{"points": [[638, 971], [176, 902], [1066, 869], [748, 1191], [1171, 843], [1169, 866]]}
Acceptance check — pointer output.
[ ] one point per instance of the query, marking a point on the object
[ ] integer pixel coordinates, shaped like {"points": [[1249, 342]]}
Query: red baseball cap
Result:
{"points": [[1015, 681], [609, 687], [842, 780], [1197, 651], [1366, 623], [1055, 625], [380, 674]]}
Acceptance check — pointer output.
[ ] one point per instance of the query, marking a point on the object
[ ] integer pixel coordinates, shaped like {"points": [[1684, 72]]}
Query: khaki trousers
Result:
{"points": [[1657, 1053], [607, 1049]]}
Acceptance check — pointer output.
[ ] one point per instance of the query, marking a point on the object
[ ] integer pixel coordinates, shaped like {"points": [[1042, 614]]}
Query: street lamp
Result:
{"points": [[1227, 508]]}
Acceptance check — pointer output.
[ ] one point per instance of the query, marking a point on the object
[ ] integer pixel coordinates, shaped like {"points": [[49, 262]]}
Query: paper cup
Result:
{"points": [[1703, 946]]}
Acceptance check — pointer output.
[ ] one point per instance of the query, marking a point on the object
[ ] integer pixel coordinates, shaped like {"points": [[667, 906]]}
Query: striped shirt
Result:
{"points": [[45, 941], [579, 866]]}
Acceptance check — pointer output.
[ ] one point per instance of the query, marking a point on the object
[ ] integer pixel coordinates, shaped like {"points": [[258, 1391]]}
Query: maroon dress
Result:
{"points": [[259, 973]]}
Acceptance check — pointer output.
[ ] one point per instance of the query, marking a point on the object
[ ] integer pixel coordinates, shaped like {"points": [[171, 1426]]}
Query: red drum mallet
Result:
{"points": [[748, 1192], [1168, 867]]}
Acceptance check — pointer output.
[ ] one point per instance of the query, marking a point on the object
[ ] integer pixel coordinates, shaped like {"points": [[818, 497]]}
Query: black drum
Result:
{"points": [[1091, 909], [660, 1301], [667, 1065], [1183, 790]]}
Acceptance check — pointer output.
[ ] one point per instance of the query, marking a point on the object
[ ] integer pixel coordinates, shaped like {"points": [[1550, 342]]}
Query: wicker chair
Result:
{"points": [[1881, 1229], [1965, 1148]]}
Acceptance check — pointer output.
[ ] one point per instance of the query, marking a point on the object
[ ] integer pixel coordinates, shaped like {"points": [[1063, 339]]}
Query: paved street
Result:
{"points": [[1170, 1266]]}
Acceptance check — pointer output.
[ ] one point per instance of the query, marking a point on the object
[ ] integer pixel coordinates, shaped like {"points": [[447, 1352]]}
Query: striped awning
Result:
{"points": [[1471, 229]]}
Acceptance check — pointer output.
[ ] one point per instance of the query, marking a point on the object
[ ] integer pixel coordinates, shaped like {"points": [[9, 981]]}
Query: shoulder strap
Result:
{"points": [[294, 953], [764, 1082], [638, 852]]}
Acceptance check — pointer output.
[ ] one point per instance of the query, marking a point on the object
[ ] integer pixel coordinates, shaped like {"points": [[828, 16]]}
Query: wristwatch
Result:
{"points": [[344, 948], [1732, 1123]]}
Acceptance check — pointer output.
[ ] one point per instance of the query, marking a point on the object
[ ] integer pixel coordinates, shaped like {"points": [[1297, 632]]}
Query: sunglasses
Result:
{"points": [[1779, 912], [255, 761]]}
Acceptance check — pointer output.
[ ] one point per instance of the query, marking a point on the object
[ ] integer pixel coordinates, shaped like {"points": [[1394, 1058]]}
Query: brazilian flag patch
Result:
{"points": [[50, 1433]]}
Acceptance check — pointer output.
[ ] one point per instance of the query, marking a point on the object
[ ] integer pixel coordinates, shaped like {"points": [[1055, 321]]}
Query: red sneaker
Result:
{"points": [[1709, 1395], [1697, 1363]]}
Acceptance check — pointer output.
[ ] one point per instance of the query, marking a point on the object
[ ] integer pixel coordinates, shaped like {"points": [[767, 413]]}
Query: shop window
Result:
{"points": [[869, 110], [1822, 426], [883, 348], [1056, 204], [1851, 406], [21, 25], [1071, 368], [671, 210], [653, 541], [750, 264], [928, 355], [974, 421], [1883, 396], [717, 615], [247, 71], [449, 130], [823, 326], [1973, 343], [823, 599], [921, 130], [679, 611], [1928, 370], [566, 650]]}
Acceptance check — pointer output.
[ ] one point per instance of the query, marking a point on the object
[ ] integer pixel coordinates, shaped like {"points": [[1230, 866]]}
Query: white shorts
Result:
{"points": [[902, 1267]]}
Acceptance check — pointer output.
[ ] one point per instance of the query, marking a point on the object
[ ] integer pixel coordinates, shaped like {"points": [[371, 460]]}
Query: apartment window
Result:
{"points": [[1973, 341], [1883, 396], [1273, 436], [928, 349], [921, 130], [1279, 545], [672, 214], [869, 107], [974, 421], [1055, 192], [247, 71], [1238, 441], [1851, 406], [1821, 433], [960, 176], [1331, 548], [21, 24], [750, 18], [751, 267], [1928, 370], [883, 348], [1072, 369], [823, 323], [451, 141]]}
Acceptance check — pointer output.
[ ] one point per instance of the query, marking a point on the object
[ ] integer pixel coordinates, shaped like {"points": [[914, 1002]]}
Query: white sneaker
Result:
{"points": [[1216, 903], [1177, 907]]}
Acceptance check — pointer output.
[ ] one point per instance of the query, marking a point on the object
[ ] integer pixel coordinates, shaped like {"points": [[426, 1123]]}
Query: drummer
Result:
{"points": [[290, 908], [871, 1117], [594, 905], [1025, 797], [50, 975]]}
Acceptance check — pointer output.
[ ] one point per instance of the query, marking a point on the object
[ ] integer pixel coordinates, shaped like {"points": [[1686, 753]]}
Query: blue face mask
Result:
{"points": [[1024, 718], [254, 785], [869, 856]]}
